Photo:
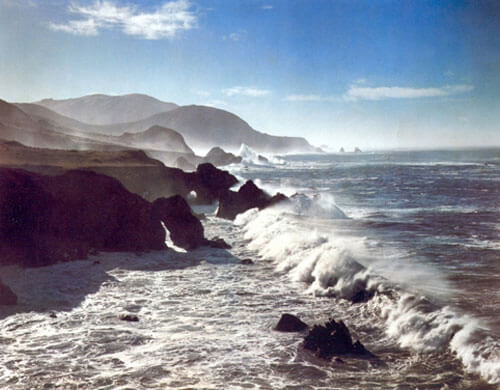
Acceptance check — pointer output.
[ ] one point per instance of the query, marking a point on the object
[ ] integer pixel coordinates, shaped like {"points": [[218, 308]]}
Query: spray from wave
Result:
{"points": [[300, 240], [250, 156]]}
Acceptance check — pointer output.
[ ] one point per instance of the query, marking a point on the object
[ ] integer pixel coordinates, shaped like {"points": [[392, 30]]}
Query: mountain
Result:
{"points": [[206, 127], [16, 125], [105, 109], [37, 126], [157, 138]]}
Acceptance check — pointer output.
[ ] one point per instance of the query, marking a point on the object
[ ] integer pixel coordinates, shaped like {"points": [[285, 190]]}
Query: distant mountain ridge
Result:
{"points": [[207, 127], [157, 137], [101, 109], [201, 127]]}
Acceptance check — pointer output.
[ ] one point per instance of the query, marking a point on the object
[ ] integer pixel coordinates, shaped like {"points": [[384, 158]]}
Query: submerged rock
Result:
{"points": [[363, 295], [333, 339], [249, 196], [218, 242], [7, 296], [290, 323], [247, 262], [129, 317]]}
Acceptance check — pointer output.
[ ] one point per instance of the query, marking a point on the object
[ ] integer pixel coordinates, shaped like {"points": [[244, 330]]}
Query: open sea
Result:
{"points": [[420, 229]]}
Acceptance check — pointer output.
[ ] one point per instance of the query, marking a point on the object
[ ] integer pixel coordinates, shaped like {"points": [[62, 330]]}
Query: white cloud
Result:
{"points": [[216, 103], [267, 7], [381, 93], [245, 91], [309, 98], [163, 22]]}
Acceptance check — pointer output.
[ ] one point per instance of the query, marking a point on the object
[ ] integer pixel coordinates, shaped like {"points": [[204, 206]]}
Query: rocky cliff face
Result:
{"points": [[50, 219]]}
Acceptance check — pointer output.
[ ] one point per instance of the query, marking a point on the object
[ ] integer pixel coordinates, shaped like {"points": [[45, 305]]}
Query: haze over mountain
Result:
{"points": [[104, 109], [202, 127], [17, 125], [205, 127], [158, 138]]}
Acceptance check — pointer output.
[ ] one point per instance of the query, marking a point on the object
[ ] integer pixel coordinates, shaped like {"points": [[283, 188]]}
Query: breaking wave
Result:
{"points": [[409, 300]]}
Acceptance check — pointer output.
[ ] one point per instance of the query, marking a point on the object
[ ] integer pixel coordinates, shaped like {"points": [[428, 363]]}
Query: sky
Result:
{"points": [[377, 74]]}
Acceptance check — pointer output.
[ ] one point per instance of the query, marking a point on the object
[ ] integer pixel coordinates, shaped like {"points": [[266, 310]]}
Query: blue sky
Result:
{"points": [[374, 74]]}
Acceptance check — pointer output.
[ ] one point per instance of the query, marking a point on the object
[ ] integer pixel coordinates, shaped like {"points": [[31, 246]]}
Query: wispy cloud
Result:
{"points": [[163, 22], [235, 36], [309, 98], [245, 91], [267, 7], [215, 103], [380, 93]]}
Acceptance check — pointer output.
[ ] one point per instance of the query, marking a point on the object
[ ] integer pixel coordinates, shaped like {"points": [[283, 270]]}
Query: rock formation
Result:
{"points": [[290, 323], [7, 296], [249, 196], [49, 219], [333, 339], [219, 157]]}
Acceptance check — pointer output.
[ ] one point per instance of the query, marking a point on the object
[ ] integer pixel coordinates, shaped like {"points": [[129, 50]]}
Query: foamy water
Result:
{"points": [[206, 320]]}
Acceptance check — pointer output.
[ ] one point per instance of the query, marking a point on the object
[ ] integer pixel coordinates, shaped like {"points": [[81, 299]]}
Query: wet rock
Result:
{"points": [[50, 219], [218, 242], [247, 262], [96, 262], [333, 339], [210, 183], [262, 159], [185, 229], [362, 296], [7, 296], [219, 157], [290, 323], [129, 317], [52, 315], [248, 196]]}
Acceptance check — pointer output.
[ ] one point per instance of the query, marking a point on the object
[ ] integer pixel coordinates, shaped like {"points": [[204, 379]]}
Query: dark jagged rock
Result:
{"points": [[290, 323], [333, 339], [218, 242], [7, 296], [362, 295], [185, 229], [219, 157], [262, 159], [210, 183], [247, 262], [129, 317], [50, 219], [249, 196]]}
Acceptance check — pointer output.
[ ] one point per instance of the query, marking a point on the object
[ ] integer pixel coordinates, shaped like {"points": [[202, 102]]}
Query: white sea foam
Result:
{"points": [[334, 266], [250, 156]]}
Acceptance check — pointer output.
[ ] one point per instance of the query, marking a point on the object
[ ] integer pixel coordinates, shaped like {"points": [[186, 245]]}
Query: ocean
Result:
{"points": [[419, 229]]}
